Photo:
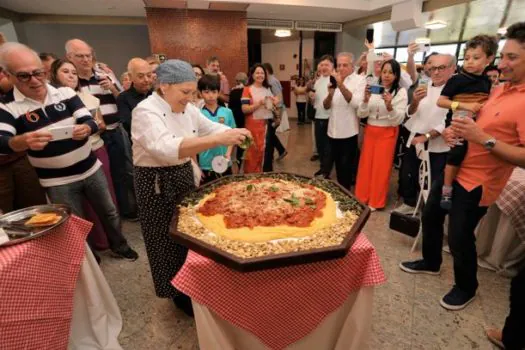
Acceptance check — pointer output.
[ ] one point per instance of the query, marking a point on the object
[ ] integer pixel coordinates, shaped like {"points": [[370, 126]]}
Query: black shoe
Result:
{"points": [[418, 266], [126, 252], [282, 155], [314, 158], [457, 299], [183, 302]]}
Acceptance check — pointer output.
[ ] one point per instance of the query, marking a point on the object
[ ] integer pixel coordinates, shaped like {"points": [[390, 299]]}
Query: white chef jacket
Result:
{"points": [[429, 117], [343, 122], [157, 132]]}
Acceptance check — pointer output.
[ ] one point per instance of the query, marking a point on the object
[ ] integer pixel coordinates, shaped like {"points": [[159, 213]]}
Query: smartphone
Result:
{"points": [[333, 82], [370, 35], [377, 89], [423, 44], [61, 132]]}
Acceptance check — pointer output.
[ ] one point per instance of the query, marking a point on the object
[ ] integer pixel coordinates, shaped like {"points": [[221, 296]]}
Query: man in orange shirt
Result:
{"points": [[497, 140]]}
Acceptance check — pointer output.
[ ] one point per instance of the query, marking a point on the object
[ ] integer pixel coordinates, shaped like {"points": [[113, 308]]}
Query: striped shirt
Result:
{"points": [[60, 162], [108, 102]]}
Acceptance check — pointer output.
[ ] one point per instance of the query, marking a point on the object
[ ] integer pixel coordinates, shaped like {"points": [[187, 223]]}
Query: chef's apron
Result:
{"points": [[156, 189]]}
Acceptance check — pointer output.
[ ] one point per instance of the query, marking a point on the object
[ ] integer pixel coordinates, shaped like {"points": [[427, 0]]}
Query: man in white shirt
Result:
{"points": [[343, 124], [426, 123], [326, 67]]}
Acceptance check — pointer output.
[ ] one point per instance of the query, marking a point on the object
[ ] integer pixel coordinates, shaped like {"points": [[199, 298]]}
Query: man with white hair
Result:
{"points": [[99, 84], [141, 87], [67, 168], [343, 125], [425, 124]]}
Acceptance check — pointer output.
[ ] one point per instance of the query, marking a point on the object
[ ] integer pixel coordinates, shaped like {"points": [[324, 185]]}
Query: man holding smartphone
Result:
{"points": [[115, 138], [67, 169], [425, 124]]}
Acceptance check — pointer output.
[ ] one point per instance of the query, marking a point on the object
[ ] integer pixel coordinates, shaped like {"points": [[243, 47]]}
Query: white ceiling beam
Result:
{"points": [[198, 4]]}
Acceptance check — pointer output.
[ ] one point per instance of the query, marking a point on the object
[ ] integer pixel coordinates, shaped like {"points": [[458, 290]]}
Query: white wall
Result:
{"points": [[282, 52], [114, 44], [9, 31]]}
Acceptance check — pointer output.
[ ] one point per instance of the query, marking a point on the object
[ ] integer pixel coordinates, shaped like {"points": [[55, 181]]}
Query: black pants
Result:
{"points": [[301, 111], [457, 154], [272, 142], [342, 152], [321, 140], [310, 111], [121, 170], [409, 174], [464, 217], [513, 336]]}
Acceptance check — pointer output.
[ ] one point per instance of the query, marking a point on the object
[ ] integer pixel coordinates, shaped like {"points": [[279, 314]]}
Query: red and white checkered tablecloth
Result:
{"points": [[37, 283], [512, 201], [280, 306]]}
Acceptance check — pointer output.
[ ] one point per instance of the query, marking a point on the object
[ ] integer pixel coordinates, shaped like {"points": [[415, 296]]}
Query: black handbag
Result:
{"points": [[405, 224]]}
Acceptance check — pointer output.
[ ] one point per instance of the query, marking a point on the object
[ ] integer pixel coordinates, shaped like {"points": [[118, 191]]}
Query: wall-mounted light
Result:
{"points": [[283, 33], [437, 24]]}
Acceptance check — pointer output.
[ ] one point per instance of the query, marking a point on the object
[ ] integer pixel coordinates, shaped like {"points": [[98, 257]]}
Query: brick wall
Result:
{"points": [[195, 35]]}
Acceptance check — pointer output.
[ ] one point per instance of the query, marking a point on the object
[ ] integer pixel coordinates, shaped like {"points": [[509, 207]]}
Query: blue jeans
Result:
{"points": [[95, 189], [121, 166]]}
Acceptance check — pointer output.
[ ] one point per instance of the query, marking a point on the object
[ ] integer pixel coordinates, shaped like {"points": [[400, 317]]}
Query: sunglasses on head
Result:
{"points": [[26, 76]]}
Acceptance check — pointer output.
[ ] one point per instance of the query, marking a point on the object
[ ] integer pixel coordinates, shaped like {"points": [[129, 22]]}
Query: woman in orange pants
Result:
{"points": [[385, 111]]}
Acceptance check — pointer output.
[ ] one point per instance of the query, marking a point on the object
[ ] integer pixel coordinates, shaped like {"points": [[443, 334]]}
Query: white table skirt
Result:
{"points": [[499, 247], [96, 322], [347, 328]]}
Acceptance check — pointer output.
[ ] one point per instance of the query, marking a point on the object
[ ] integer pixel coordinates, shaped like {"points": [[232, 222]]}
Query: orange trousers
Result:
{"points": [[375, 165]]}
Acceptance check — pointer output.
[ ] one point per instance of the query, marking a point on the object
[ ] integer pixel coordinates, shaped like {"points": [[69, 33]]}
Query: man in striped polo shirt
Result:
{"points": [[67, 169], [99, 84]]}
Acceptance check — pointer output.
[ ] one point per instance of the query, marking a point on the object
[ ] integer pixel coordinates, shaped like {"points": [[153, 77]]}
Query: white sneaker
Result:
{"points": [[372, 209], [405, 209]]}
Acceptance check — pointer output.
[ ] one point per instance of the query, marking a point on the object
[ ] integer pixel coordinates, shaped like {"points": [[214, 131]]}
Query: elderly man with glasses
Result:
{"points": [[425, 124], [66, 168], [99, 84]]}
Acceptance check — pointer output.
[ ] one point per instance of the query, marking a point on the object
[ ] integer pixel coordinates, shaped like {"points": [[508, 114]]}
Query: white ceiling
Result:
{"points": [[326, 11]]}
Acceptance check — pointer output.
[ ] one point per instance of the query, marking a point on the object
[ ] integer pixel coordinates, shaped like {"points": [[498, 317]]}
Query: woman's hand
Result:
{"points": [[387, 97], [233, 137], [367, 95]]}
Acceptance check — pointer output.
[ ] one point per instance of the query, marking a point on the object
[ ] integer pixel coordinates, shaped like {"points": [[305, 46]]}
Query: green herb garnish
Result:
{"points": [[274, 188], [294, 201], [250, 187], [246, 143], [309, 201]]}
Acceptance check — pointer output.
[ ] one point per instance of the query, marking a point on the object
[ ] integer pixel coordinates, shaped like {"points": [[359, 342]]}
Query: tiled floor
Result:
{"points": [[406, 314]]}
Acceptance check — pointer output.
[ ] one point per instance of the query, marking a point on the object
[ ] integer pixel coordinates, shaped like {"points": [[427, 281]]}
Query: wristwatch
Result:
{"points": [[454, 106], [489, 144], [428, 136]]}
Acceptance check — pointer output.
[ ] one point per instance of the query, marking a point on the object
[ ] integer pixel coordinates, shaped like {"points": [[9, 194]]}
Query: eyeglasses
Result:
{"points": [[438, 69], [81, 56], [24, 77]]}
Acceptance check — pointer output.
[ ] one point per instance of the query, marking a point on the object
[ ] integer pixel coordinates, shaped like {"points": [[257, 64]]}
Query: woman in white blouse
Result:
{"points": [[167, 130], [385, 113]]}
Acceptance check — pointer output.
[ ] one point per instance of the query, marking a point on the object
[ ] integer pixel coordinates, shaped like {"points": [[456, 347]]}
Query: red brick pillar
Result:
{"points": [[195, 35]]}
